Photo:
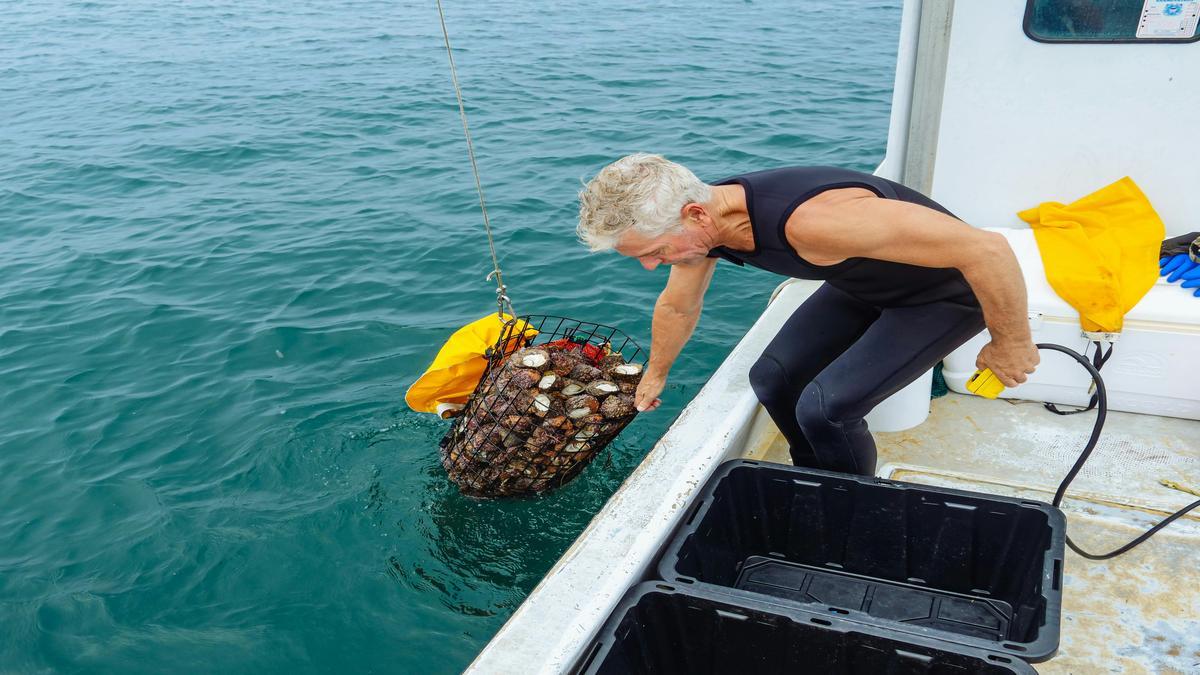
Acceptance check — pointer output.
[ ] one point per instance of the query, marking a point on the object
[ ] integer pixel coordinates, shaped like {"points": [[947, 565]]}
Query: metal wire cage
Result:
{"points": [[555, 392]]}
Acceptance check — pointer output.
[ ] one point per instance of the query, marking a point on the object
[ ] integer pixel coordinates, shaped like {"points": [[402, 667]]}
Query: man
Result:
{"points": [[905, 284]]}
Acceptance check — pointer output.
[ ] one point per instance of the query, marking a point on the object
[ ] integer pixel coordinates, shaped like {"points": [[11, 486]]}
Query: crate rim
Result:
{"points": [[600, 644], [1044, 647]]}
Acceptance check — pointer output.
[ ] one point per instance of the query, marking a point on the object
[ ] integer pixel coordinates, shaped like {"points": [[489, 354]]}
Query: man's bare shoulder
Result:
{"points": [[832, 198], [817, 223]]}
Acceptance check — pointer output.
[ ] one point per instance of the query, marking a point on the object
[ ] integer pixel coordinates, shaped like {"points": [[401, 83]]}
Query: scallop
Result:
{"points": [[541, 440], [581, 406], [531, 357], [585, 373], [617, 406], [626, 372], [541, 404], [521, 425], [602, 388], [524, 378], [611, 361], [562, 362], [550, 382]]}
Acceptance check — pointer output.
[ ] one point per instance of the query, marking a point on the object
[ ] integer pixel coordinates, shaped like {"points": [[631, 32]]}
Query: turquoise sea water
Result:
{"points": [[233, 233]]}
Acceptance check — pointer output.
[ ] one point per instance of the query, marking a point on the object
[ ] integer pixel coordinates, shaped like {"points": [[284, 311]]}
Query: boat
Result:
{"points": [[997, 106]]}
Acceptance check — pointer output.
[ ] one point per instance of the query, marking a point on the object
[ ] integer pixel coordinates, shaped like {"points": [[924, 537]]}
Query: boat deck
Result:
{"points": [[1138, 613]]}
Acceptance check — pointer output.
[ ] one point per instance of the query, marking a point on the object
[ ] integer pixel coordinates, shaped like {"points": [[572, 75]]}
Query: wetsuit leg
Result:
{"points": [[823, 327], [897, 348]]}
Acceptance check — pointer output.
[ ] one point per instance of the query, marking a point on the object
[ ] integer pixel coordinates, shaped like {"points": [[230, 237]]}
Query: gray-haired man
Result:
{"points": [[905, 284]]}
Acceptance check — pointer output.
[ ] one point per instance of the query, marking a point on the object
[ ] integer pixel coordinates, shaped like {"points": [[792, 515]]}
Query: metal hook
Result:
{"points": [[503, 301]]}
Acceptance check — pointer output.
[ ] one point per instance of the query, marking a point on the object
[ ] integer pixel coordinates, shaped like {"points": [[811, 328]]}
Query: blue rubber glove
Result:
{"points": [[1181, 267], [1192, 280], [1175, 267]]}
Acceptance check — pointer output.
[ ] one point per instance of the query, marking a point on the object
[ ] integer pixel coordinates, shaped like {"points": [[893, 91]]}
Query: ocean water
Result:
{"points": [[233, 233]]}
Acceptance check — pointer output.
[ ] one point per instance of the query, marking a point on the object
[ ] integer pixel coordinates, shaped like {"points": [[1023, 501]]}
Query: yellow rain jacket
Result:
{"points": [[460, 364], [1100, 252]]}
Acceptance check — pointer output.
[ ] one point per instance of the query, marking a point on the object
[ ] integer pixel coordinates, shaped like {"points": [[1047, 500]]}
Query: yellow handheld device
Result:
{"points": [[985, 383]]}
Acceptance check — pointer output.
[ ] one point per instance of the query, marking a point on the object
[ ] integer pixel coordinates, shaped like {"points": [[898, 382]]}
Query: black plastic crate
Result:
{"points": [[974, 569], [659, 629]]}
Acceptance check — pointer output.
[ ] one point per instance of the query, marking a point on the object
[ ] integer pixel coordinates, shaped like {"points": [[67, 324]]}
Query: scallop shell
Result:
{"points": [[563, 362], [542, 404], [611, 361], [530, 357], [524, 378], [488, 408], [540, 440], [584, 373], [626, 372], [601, 388], [581, 405], [521, 425], [617, 406], [558, 423]]}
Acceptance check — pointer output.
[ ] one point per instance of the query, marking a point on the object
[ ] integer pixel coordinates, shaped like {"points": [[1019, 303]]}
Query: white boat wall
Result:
{"points": [[987, 121]]}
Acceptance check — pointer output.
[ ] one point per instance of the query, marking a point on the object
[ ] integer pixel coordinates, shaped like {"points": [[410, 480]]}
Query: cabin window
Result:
{"points": [[1112, 20]]}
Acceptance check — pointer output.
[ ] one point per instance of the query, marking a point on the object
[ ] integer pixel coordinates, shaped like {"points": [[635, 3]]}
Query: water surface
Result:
{"points": [[233, 233]]}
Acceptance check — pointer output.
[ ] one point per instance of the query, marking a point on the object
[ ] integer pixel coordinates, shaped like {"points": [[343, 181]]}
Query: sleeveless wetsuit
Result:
{"points": [[772, 196], [872, 328]]}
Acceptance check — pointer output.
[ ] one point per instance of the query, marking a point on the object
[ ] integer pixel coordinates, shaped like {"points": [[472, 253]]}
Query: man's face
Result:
{"points": [[668, 249]]}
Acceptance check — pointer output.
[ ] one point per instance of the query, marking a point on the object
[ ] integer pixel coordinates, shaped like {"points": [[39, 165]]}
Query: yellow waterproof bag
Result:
{"points": [[455, 372], [1100, 252]]}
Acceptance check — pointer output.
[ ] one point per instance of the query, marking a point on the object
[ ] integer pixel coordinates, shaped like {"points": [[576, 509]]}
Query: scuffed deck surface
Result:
{"points": [[1139, 613]]}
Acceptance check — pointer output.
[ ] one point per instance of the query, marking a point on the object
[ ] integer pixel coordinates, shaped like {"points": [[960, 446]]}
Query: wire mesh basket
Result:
{"points": [[555, 392]]}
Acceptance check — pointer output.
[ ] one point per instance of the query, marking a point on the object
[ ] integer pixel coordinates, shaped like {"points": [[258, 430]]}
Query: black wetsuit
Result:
{"points": [[871, 329]]}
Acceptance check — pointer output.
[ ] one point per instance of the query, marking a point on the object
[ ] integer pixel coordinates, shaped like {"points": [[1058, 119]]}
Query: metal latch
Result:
{"points": [[1035, 321]]}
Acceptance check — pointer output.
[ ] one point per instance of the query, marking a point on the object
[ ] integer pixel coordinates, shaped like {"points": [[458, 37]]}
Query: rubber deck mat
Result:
{"points": [[905, 603]]}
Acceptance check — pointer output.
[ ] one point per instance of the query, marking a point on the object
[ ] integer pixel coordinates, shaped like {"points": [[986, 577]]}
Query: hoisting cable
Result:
{"points": [[1101, 412], [503, 302]]}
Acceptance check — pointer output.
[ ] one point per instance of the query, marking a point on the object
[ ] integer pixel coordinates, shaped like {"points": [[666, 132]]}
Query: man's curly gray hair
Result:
{"points": [[641, 192]]}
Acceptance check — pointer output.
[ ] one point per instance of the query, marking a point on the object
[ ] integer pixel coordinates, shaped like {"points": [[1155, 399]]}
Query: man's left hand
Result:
{"points": [[1011, 362]]}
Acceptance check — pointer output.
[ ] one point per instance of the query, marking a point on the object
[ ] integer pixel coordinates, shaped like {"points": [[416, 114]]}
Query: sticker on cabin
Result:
{"points": [[1165, 19]]}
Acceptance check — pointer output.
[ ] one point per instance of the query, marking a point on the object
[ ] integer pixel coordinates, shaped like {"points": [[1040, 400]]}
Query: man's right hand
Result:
{"points": [[646, 398], [1011, 362]]}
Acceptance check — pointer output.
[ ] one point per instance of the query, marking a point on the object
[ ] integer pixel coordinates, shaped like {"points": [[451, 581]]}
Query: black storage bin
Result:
{"points": [[658, 629], [974, 569]]}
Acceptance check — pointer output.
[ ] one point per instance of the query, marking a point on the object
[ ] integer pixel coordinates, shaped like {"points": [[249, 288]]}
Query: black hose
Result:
{"points": [[1101, 414]]}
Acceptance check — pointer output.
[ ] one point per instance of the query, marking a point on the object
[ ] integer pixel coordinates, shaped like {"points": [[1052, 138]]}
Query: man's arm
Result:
{"points": [[853, 223], [675, 315]]}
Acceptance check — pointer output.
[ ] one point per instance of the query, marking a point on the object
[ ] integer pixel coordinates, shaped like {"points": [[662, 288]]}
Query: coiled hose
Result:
{"points": [[1101, 414]]}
